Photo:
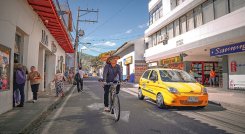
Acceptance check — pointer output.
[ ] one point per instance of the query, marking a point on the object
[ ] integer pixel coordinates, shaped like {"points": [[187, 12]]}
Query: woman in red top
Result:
{"points": [[212, 77]]}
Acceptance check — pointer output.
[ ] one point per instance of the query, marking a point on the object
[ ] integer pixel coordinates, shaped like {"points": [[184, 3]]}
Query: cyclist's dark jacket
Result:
{"points": [[110, 73]]}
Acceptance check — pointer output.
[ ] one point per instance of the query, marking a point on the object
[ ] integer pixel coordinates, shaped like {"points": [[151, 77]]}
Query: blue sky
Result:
{"points": [[118, 21]]}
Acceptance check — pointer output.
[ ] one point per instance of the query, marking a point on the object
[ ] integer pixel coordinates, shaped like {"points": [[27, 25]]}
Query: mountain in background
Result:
{"points": [[86, 61]]}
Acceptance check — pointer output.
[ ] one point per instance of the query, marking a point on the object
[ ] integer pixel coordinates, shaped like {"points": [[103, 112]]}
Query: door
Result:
{"points": [[128, 71], [144, 83], [153, 84]]}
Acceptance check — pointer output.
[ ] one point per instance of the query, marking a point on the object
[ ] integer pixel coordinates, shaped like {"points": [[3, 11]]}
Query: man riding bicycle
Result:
{"points": [[111, 73]]}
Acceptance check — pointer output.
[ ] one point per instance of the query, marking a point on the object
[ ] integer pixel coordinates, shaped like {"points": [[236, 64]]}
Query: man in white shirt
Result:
{"points": [[80, 80]]}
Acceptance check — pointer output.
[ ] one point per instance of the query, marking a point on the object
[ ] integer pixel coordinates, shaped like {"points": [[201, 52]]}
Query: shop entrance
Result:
{"points": [[202, 69], [128, 71]]}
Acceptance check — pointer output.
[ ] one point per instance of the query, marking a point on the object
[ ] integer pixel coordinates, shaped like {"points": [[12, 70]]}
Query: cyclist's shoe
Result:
{"points": [[106, 109]]}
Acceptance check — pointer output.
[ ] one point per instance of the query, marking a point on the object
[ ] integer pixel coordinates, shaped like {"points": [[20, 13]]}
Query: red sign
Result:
{"points": [[233, 66]]}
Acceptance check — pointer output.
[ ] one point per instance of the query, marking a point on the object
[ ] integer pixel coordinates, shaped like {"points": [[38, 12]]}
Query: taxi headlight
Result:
{"points": [[173, 90], [204, 90]]}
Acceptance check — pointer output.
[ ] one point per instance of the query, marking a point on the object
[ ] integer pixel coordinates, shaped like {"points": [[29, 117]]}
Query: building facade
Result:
{"points": [[183, 33], [27, 37], [131, 59]]}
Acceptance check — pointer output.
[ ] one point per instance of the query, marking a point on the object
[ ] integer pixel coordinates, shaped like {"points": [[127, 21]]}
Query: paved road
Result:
{"points": [[83, 113]]}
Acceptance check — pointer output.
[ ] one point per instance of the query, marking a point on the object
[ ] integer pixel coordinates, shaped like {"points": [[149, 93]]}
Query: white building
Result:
{"points": [[32, 34], [132, 60], [185, 34]]}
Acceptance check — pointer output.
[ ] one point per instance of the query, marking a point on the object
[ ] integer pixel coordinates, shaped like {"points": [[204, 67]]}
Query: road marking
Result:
{"points": [[124, 115], [93, 95], [57, 114], [96, 106], [130, 92]]}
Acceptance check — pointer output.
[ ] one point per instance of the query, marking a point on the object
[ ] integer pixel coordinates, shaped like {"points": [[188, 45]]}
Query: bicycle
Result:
{"points": [[114, 101]]}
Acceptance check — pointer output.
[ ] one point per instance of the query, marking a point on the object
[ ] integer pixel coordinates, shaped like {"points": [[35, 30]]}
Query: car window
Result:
{"points": [[153, 75], [176, 76], [146, 74]]}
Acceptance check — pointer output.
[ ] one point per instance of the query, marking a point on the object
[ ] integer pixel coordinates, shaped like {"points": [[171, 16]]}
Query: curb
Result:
{"points": [[39, 118]]}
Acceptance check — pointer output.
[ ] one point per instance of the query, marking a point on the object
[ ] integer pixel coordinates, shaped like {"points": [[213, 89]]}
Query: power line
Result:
{"points": [[114, 15]]}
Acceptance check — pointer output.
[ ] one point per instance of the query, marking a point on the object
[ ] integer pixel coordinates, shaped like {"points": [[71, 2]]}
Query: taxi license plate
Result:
{"points": [[192, 99]]}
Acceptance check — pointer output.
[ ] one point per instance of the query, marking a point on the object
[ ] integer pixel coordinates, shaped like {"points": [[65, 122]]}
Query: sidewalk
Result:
{"points": [[19, 119], [229, 99]]}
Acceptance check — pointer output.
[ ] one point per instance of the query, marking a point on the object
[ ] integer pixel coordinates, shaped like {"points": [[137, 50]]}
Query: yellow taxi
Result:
{"points": [[172, 87]]}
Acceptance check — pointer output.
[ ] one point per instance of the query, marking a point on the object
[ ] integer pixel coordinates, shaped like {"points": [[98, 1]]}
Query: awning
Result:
{"points": [[47, 12]]}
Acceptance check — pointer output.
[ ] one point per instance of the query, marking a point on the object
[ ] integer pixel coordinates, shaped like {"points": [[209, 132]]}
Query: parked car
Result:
{"points": [[172, 87]]}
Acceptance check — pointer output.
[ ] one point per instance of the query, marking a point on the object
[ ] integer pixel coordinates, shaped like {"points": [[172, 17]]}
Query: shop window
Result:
{"points": [[4, 68], [176, 28], [208, 11], [198, 16], [190, 20], [170, 31], [183, 24], [18, 48], [220, 8], [236, 4]]}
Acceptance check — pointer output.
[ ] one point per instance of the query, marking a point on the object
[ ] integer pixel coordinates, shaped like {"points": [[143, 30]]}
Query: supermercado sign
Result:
{"points": [[224, 50]]}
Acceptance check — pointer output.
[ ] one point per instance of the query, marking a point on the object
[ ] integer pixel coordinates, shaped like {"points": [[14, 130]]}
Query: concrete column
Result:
{"points": [[225, 73], [40, 67]]}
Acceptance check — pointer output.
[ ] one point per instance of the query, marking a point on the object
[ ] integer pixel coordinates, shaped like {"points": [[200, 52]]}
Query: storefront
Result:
{"points": [[4, 68], [127, 61], [233, 56]]}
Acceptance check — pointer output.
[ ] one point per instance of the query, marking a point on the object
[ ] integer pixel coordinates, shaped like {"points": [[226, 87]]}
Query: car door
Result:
{"points": [[153, 84], [144, 81]]}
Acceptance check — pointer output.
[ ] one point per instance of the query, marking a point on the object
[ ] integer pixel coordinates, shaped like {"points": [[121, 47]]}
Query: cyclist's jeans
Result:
{"points": [[106, 94]]}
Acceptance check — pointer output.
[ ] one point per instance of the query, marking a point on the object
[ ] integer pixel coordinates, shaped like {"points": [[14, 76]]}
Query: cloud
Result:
{"points": [[107, 43], [142, 26], [129, 31]]}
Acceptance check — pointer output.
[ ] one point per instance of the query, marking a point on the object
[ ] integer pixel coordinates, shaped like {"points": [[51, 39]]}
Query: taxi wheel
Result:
{"points": [[159, 101], [140, 95]]}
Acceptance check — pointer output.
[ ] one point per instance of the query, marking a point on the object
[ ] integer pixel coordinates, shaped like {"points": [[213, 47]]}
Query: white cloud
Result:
{"points": [[142, 26], [129, 31], [107, 43]]}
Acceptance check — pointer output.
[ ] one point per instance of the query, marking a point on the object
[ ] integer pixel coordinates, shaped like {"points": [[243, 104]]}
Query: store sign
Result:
{"points": [[179, 42], [224, 50], [44, 38], [237, 82], [233, 66], [171, 60], [153, 64], [128, 60]]}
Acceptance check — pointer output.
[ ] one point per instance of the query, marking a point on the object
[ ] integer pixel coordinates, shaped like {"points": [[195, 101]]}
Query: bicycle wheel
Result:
{"points": [[116, 107]]}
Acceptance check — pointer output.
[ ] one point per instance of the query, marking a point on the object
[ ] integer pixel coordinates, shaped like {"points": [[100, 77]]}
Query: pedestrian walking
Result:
{"points": [[19, 85], [79, 79], [212, 75], [59, 84], [35, 79]]}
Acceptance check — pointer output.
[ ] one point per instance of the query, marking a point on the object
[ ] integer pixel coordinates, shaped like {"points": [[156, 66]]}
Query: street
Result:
{"points": [[83, 113]]}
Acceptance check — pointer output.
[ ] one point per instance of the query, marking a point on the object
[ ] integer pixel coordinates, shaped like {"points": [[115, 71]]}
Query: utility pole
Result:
{"points": [[81, 32]]}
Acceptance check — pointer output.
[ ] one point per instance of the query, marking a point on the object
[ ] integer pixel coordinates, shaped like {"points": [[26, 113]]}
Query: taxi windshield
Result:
{"points": [[175, 76]]}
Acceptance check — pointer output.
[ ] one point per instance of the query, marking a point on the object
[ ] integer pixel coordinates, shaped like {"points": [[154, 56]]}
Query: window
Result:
{"points": [[150, 41], [153, 75], [154, 38], [190, 20], [220, 8], [236, 4], [198, 16], [146, 74], [156, 13], [208, 11], [170, 31], [173, 4], [4, 68], [183, 24], [176, 28], [164, 32], [159, 36]]}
